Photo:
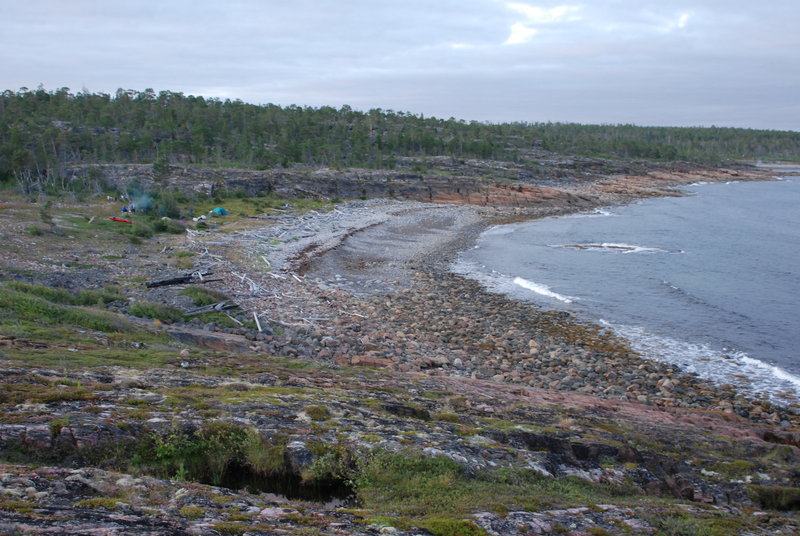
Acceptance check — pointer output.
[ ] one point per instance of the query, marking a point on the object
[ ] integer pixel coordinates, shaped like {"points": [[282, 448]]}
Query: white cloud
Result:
{"points": [[524, 32], [520, 34], [600, 61], [541, 15], [675, 24]]}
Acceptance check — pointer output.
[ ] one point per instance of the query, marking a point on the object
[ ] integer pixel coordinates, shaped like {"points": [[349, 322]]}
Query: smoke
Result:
{"points": [[142, 202]]}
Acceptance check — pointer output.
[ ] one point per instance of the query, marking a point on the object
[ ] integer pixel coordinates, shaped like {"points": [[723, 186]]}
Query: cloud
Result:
{"points": [[641, 61], [520, 34], [524, 32], [540, 15]]}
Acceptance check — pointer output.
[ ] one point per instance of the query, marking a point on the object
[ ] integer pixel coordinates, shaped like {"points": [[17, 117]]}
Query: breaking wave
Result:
{"points": [[499, 282], [542, 290], [748, 374], [596, 213], [613, 246]]}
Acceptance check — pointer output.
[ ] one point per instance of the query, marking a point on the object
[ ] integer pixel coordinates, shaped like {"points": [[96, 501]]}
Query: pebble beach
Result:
{"points": [[370, 284]]}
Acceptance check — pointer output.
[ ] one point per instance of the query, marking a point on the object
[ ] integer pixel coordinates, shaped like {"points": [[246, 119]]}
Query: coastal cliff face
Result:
{"points": [[568, 184]]}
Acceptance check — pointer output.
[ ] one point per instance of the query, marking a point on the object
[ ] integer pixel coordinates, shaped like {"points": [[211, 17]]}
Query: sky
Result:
{"points": [[660, 62]]}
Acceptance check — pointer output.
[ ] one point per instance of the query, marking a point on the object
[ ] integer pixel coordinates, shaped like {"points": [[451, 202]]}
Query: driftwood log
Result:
{"points": [[180, 280], [214, 307]]}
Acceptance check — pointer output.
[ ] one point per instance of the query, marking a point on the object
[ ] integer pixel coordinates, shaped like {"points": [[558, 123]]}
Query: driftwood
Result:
{"points": [[213, 308], [179, 280]]}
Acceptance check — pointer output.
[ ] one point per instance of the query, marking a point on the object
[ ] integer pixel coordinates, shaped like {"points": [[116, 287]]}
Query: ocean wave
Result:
{"points": [[503, 283], [542, 290], [748, 374], [613, 246], [596, 213]]}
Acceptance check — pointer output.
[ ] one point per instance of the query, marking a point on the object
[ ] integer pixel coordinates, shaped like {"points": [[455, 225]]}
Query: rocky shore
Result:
{"points": [[361, 387], [370, 284]]}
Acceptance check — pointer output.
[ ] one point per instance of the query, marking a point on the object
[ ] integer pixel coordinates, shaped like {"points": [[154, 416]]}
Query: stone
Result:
{"points": [[297, 457]]}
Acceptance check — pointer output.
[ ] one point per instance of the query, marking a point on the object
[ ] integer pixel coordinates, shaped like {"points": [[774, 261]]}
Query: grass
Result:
{"points": [[192, 512], [19, 507], [204, 296], [44, 305], [107, 503], [317, 413], [409, 484], [64, 297], [99, 356], [678, 522], [240, 206], [156, 311], [47, 392]]}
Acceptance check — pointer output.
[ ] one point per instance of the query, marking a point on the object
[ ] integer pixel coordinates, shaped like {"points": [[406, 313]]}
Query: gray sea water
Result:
{"points": [[710, 282]]}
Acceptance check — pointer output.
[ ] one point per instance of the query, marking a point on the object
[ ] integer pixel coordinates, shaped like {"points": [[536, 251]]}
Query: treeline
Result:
{"points": [[42, 131]]}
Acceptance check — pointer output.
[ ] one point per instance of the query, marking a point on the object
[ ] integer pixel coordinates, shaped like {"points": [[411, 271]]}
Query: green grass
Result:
{"points": [[94, 357], [204, 296], [241, 206], [155, 311], [107, 503], [16, 306], [64, 297], [409, 484], [47, 392], [674, 522]]}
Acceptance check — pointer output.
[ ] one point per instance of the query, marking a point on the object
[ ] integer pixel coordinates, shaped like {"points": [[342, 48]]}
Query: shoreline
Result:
{"points": [[752, 372], [404, 372], [386, 266]]}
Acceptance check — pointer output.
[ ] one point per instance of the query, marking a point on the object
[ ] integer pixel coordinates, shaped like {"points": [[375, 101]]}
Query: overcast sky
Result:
{"points": [[648, 62]]}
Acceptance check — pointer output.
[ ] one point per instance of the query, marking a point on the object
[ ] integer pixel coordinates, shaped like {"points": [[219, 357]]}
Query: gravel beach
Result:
{"points": [[369, 284]]}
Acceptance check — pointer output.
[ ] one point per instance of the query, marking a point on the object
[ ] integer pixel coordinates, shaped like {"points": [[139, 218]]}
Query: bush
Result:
{"points": [[166, 225], [776, 497], [165, 204], [140, 230], [201, 455]]}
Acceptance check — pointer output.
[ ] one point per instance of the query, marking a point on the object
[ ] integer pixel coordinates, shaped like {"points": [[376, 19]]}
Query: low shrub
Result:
{"points": [[140, 229], [776, 497], [167, 225]]}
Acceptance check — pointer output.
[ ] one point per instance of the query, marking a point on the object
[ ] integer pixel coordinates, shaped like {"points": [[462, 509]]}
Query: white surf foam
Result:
{"points": [[613, 247], [748, 374], [499, 282], [596, 213], [542, 290]]}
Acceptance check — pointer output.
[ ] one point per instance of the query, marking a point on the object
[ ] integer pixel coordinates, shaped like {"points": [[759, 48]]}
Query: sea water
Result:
{"points": [[709, 282]]}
